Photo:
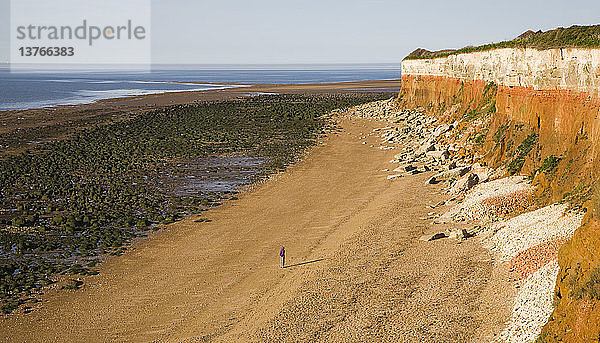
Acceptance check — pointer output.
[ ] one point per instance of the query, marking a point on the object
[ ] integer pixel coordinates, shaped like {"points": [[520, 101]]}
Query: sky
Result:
{"points": [[335, 31]]}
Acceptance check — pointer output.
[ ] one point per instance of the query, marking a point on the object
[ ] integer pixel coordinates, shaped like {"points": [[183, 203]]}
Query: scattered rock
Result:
{"points": [[452, 174], [435, 154], [529, 229], [440, 130], [426, 147], [483, 173], [476, 229], [432, 237], [465, 183], [459, 234], [431, 181], [491, 200]]}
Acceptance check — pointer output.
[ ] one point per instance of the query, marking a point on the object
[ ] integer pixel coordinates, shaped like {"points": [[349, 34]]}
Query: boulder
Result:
{"points": [[441, 155], [427, 146], [459, 234], [445, 155], [465, 183], [432, 237], [452, 174], [440, 130], [484, 173], [434, 154], [431, 181]]}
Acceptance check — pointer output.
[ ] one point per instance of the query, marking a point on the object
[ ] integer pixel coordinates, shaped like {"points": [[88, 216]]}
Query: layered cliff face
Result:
{"points": [[502, 98], [573, 69]]}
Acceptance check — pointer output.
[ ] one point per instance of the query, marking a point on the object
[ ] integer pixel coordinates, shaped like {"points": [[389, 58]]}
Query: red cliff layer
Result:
{"points": [[494, 122]]}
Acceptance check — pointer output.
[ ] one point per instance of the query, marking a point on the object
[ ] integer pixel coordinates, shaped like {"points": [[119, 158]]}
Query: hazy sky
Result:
{"points": [[336, 31]]}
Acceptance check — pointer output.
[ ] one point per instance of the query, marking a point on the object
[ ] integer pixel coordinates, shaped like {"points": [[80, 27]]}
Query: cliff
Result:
{"points": [[503, 97], [573, 69]]}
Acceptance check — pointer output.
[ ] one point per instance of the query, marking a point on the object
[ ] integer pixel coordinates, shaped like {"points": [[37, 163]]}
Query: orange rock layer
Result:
{"points": [[495, 122]]}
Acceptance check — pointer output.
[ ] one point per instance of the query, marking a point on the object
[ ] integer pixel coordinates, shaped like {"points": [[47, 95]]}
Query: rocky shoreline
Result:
{"points": [[483, 203]]}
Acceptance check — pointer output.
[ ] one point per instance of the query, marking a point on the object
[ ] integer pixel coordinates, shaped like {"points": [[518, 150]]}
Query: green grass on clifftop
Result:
{"points": [[572, 37]]}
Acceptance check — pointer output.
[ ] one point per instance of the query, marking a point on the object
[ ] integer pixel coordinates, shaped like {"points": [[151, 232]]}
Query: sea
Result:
{"points": [[46, 88]]}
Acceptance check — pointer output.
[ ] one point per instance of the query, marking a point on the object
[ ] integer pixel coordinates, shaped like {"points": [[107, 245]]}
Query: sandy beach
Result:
{"points": [[356, 268]]}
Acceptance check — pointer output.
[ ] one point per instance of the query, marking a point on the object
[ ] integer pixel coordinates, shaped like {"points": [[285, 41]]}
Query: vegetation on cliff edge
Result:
{"points": [[572, 37]]}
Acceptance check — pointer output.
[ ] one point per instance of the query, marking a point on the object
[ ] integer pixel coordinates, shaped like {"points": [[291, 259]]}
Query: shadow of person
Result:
{"points": [[302, 263]]}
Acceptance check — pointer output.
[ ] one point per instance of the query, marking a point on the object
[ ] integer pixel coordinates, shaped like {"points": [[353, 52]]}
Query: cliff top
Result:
{"points": [[574, 36]]}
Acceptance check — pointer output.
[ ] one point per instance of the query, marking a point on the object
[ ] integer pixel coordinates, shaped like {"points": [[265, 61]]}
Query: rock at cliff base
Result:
{"points": [[484, 173], [428, 146], [465, 183], [452, 174], [432, 237], [431, 181], [459, 234], [440, 130], [440, 155]]}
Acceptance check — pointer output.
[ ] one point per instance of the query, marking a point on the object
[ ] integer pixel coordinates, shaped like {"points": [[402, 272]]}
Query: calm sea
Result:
{"points": [[45, 89]]}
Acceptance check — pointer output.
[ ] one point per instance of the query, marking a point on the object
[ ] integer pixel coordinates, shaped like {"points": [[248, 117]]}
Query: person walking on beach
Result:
{"points": [[282, 255]]}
